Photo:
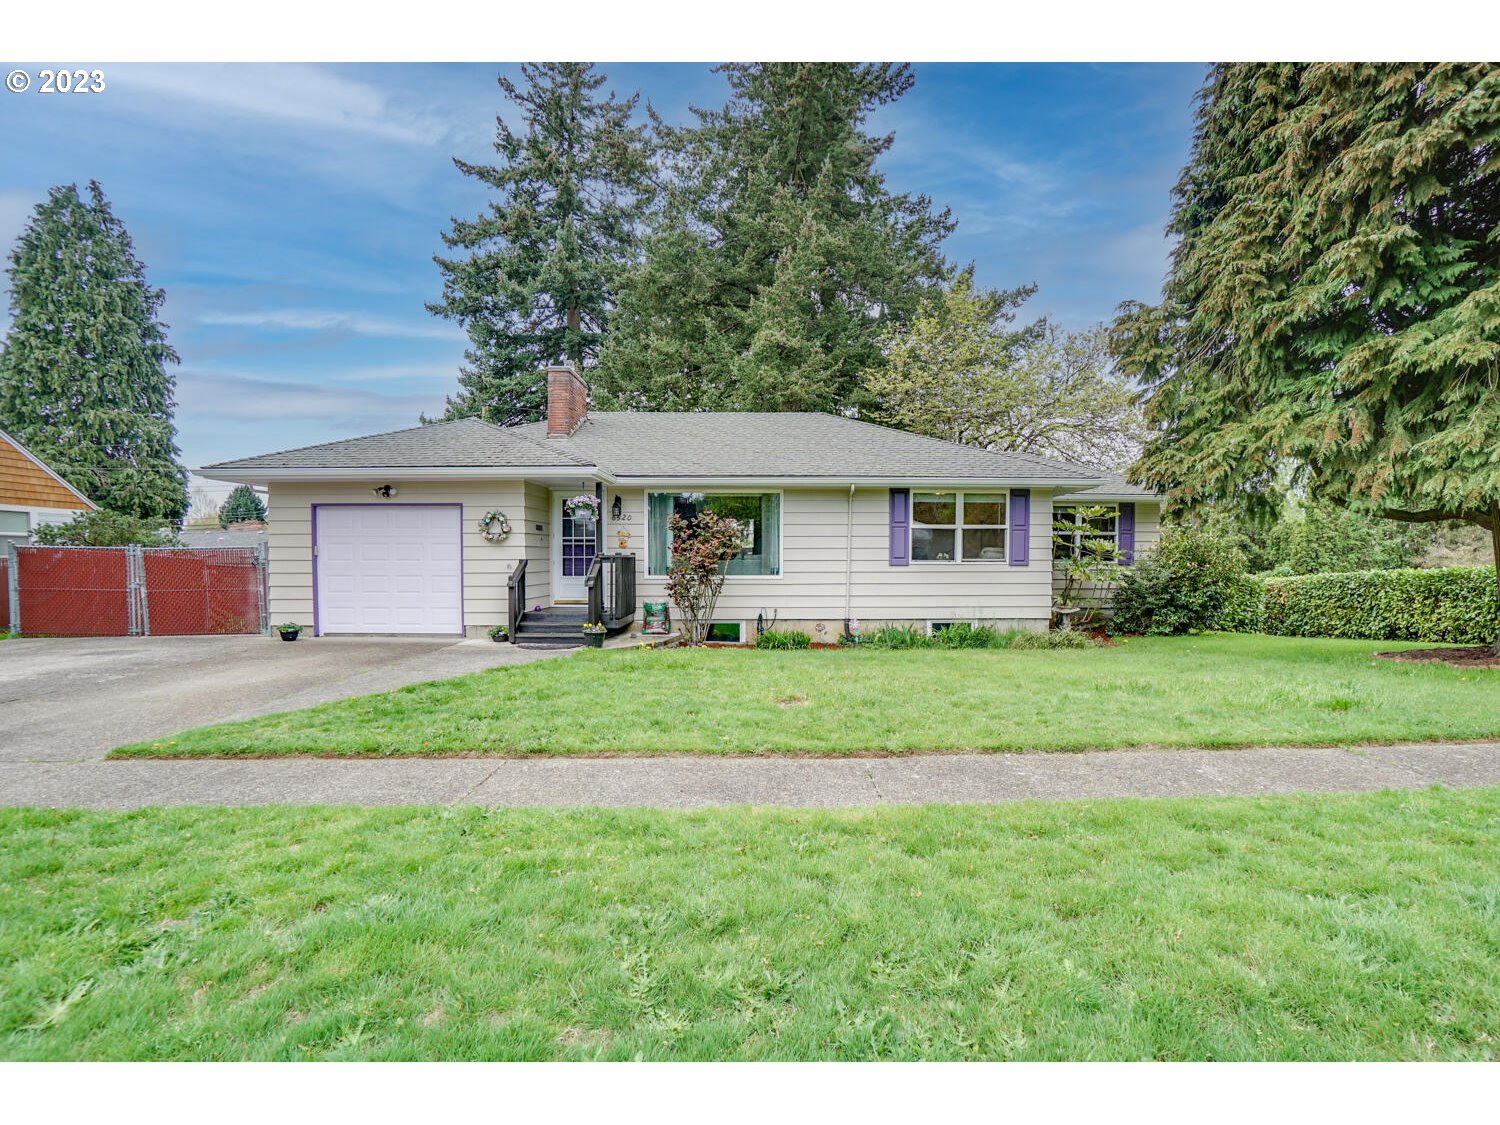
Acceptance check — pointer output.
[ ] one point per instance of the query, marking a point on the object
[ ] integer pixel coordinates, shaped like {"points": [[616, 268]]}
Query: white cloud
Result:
{"points": [[281, 93], [209, 394], [401, 372], [320, 320]]}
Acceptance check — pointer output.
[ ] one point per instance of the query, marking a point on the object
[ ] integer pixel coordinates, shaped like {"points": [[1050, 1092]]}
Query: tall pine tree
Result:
{"points": [[535, 284], [1333, 306], [241, 505], [777, 255], [83, 377]]}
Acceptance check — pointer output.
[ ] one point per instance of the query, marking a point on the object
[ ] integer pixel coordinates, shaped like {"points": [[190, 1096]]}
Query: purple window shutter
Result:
{"points": [[1019, 534], [1126, 528], [900, 527]]}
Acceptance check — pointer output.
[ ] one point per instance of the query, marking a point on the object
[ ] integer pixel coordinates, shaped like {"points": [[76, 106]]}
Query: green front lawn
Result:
{"points": [[1168, 691], [1362, 927]]}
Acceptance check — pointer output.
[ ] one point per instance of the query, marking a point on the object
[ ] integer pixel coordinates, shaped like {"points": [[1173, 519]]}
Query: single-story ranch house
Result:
{"points": [[459, 526]]}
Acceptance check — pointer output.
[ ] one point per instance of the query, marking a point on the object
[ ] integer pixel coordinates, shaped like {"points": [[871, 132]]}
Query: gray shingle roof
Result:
{"points": [[216, 537], [639, 444], [769, 446], [1115, 487], [467, 443]]}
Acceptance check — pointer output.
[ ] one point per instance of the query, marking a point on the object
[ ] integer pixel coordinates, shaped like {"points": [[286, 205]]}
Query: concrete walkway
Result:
{"points": [[685, 782]]}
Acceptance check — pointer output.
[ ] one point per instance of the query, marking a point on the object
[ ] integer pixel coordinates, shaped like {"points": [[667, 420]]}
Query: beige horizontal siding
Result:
{"points": [[486, 565], [815, 544]]}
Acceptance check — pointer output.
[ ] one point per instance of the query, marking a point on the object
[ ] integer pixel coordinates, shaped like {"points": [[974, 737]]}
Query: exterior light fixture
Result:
{"points": [[614, 509], [384, 491]]}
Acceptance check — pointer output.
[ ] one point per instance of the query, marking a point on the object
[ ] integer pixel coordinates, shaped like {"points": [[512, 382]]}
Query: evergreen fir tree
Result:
{"points": [[83, 377], [535, 286], [244, 503], [777, 255], [1333, 306]]}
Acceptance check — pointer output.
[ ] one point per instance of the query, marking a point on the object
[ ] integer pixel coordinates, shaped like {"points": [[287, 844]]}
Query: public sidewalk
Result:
{"points": [[693, 782]]}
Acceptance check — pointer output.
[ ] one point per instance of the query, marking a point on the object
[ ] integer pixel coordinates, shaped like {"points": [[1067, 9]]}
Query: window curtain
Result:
{"points": [[770, 522], [658, 535]]}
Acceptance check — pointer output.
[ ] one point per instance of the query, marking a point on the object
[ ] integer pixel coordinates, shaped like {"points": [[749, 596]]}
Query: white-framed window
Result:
{"points": [[759, 513], [1102, 528], [958, 526], [15, 527]]}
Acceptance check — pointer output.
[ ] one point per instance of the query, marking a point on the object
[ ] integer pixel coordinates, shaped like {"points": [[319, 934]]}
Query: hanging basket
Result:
{"points": [[583, 506], [494, 527]]}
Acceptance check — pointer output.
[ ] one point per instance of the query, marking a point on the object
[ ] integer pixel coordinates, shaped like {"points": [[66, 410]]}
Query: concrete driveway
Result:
{"points": [[70, 699]]}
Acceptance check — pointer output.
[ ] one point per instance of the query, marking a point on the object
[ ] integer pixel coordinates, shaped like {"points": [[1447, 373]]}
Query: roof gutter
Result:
{"points": [[844, 481], [312, 475]]}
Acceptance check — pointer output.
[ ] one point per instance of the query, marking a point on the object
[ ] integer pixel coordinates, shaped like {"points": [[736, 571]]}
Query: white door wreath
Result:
{"points": [[494, 527]]}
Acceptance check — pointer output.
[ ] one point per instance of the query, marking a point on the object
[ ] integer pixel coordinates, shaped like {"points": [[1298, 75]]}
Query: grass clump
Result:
{"points": [[783, 639]]}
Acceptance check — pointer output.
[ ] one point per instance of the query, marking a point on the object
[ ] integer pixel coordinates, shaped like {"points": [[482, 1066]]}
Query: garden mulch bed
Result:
{"points": [[1478, 656]]}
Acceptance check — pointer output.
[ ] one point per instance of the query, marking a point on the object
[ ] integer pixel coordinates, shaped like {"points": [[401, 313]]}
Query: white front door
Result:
{"points": [[389, 568], [574, 544]]}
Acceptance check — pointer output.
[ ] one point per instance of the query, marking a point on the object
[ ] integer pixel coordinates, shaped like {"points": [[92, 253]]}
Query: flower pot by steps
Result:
{"points": [[594, 640], [290, 634]]}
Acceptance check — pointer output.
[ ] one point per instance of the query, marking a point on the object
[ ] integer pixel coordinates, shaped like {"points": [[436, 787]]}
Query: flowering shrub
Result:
{"points": [[701, 548]]}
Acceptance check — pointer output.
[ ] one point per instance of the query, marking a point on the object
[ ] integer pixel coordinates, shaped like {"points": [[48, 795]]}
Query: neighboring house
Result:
{"points": [[845, 519], [31, 494]]}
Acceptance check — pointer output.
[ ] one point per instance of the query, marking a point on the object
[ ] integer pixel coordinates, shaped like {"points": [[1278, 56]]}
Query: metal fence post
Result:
{"points": [[263, 568], [13, 587], [135, 592]]}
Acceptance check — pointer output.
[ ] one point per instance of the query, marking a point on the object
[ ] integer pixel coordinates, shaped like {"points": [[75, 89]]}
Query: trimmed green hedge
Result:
{"points": [[1454, 605]]}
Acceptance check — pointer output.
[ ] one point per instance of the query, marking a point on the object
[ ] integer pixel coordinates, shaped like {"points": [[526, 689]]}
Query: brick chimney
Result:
{"points": [[567, 401]]}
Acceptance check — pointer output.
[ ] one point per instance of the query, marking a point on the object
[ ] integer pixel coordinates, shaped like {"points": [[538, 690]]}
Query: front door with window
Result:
{"points": [[574, 544]]}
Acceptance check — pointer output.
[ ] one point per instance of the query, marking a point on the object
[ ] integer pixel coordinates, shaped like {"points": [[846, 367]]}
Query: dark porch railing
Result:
{"points": [[611, 586], [515, 597]]}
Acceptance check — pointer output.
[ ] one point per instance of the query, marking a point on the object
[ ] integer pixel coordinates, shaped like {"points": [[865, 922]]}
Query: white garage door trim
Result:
{"points": [[388, 568]]}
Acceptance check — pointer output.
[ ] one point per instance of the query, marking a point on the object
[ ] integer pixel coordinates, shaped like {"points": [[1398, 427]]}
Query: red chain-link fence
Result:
{"points": [[128, 591], [215, 590]]}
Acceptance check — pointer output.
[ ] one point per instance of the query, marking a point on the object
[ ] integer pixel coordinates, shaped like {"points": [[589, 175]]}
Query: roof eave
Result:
{"points": [[844, 480], [1115, 496], [311, 474]]}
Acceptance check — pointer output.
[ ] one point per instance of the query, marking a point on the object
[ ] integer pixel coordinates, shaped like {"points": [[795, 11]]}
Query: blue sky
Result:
{"points": [[291, 211]]}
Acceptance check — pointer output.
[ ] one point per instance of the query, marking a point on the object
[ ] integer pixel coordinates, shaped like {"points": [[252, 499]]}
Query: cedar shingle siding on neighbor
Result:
{"points": [[25, 484]]}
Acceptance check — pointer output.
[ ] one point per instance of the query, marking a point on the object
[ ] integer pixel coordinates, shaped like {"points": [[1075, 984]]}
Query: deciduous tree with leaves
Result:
{"points": [[702, 547], [83, 376], [963, 371], [776, 255], [533, 283], [1333, 304]]}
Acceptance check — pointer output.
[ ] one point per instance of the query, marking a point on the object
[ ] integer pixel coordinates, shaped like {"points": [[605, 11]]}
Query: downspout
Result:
{"points": [[849, 564]]}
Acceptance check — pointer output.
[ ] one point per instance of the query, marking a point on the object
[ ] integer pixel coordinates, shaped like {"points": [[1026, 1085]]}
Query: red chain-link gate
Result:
{"points": [[131, 591]]}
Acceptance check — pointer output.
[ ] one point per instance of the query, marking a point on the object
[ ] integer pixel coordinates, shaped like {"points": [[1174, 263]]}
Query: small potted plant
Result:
{"points": [[500, 633], [594, 635], [289, 631]]}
